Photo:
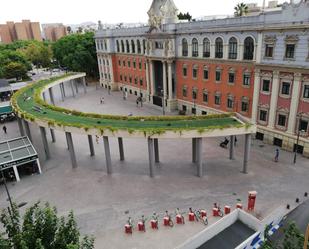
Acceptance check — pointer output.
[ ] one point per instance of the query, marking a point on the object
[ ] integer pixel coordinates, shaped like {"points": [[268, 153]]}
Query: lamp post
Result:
{"points": [[298, 134]]}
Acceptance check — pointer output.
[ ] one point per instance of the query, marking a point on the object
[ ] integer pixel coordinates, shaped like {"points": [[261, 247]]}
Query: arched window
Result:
{"points": [[139, 50], [194, 47], [144, 46], [133, 46], [127, 46], [248, 48], [206, 48], [117, 45], [233, 48], [122, 46], [219, 48], [184, 47]]}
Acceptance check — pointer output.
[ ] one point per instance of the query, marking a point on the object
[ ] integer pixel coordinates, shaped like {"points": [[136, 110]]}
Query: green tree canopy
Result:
{"points": [[40, 54], [15, 70], [184, 16], [241, 9], [41, 228], [77, 52]]}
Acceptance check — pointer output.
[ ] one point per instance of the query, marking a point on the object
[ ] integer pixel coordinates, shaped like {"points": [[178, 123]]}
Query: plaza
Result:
{"points": [[100, 201]]}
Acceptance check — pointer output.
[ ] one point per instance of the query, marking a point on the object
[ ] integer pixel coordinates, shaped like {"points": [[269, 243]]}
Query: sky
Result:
{"points": [[108, 11]]}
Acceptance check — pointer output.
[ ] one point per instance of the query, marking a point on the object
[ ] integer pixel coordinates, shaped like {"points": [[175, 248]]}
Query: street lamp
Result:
{"points": [[298, 134]]}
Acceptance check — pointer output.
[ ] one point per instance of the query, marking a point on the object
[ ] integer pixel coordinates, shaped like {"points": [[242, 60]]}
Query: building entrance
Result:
{"points": [[158, 83]]}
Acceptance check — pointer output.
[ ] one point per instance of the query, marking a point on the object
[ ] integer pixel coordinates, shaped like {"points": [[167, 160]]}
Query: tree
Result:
{"points": [[69, 29], [241, 9], [77, 52], [293, 238], [15, 70], [39, 54], [41, 228], [185, 16]]}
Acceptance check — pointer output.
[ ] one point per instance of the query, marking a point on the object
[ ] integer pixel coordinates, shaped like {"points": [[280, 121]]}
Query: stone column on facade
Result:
{"points": [[240, 54], [246, 153], [91, 147], [256, 94], [199, 156], [152, 79], [294, 103], [111, 70], [45, 143], [170, 81], [147, 80], [273, 100], [225, 51], [255, 52], [151, 156], [164, 82], [232, 151], [107, 155], [156, 150], [71, 149], [121, 150], [259, 46], [212, 50]]}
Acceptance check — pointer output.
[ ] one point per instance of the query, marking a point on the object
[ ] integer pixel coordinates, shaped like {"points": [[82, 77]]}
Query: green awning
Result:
{"points": [[5, 110]]}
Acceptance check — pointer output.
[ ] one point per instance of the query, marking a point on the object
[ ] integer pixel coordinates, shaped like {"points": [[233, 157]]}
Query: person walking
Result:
{"points": [[4, 129], [277, 155], [137, 101], [102, 100]]}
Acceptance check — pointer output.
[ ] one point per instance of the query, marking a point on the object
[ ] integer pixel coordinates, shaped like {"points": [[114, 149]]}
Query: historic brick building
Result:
{"points": [[257, 66]]}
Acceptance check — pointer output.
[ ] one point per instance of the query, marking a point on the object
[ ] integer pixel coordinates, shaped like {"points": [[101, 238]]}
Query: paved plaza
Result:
{"points": [[100, 201]]}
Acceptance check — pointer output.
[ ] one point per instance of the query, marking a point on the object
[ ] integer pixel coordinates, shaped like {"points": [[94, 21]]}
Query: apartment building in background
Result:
{"points": [[255, 65], [25, 30], [54, 31]]}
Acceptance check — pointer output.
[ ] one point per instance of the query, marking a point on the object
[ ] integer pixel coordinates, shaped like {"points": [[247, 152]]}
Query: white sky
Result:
{"points": [[108, 11]]}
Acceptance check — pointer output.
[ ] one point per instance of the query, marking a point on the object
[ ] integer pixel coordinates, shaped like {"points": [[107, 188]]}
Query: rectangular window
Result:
{"points": [[246, 80], [244, 106], [217, 100], [230, 103], [140, 65], [184, 72], [184, 92], [134, 64], [289, 51], [124, 63], [120, 77], [130, 79], [125, 78], [205, 97], [218, 75], [119, 63], [141, 82], [231, 77], [266, 86], [306, 92], [303, 125], [269, 49], [194, 94], [285, 88], [263, 115], [135, 81], [194, 73], [129, 63], [205, 74], [281, 120]]}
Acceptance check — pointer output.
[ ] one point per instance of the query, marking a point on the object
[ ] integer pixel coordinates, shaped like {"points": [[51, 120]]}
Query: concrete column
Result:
{"points": [[20, 126], [16, 174], [39, 166], [52, 134], [51, 95], [45, 143], [61, 91], [164, 82], [121, 151], [71, 149], [27, 129], [44, 96], [71, 82], [194, 150], [170, 81], [85, 85], [246, 153], [156, 150], [232, 139], [107, 155], [273, 100], [151, 156], [199, 156], [256, 94], [90, 141], [294, 103], [76, 86]]}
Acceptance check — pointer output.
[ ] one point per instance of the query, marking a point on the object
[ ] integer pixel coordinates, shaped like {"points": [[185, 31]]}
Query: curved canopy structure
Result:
{"points": [[29, 105]]}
